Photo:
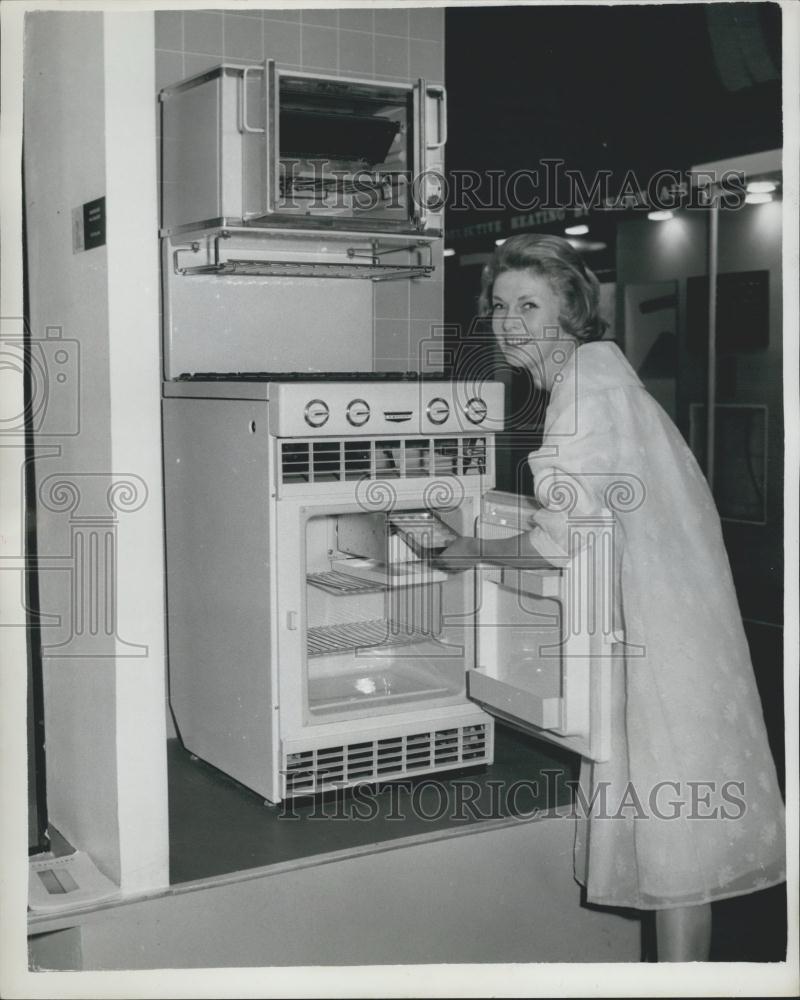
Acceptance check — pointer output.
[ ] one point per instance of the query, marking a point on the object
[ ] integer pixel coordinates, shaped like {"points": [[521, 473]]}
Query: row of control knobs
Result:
{"points": [[358, 411]]}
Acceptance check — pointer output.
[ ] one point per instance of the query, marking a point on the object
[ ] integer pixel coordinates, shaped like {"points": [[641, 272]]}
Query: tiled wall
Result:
{"points": [[390, 44]]}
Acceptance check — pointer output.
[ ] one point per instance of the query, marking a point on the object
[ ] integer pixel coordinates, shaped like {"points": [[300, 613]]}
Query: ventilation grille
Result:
{"points": [[400, 458], [310, 771]]}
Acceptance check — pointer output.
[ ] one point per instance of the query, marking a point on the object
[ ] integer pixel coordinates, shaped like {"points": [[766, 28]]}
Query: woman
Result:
{"points": [[704, 816]]}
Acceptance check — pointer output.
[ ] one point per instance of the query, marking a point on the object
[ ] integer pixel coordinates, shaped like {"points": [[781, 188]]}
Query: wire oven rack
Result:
{"points": [[363, 258]]}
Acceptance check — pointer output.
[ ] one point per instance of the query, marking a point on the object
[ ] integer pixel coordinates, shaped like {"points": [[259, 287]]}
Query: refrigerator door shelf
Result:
{"points": [[515, 704], [544, 642]]}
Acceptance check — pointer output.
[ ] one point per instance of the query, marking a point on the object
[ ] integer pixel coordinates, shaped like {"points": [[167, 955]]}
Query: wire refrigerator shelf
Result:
{"points": [[334, 582], [327, 639]]}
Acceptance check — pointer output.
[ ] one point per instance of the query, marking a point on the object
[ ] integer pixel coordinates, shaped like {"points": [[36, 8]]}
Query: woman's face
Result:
{"points": [[525, 311]]}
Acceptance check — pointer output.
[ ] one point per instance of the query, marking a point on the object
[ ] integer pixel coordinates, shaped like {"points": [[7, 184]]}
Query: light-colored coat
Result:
{"points": [[688, 729]]}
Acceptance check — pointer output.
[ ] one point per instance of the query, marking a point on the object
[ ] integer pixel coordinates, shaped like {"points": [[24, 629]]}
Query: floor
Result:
{"points": [[217, 826]]}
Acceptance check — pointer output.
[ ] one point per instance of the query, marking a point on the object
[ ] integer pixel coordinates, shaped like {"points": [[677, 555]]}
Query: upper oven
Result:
{"points": [[257, 145]]}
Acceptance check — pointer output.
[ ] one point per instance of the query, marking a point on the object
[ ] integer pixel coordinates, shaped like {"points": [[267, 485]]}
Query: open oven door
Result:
{"points": [[544, 642]]}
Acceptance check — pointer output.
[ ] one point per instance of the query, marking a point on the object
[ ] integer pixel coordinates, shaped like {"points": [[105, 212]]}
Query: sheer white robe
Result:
{"points": [[688, 710]]}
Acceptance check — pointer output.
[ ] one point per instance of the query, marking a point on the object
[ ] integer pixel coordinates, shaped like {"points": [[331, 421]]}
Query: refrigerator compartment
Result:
{"points": [[349, 636], [381, 681]]}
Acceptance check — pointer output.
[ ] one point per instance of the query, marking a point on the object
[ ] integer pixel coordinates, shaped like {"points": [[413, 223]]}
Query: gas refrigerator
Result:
{"points": [[313, 640], [312, 643]]}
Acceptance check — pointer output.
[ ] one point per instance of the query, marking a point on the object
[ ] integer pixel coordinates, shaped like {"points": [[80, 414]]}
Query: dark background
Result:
{"points": [[624, 88]]}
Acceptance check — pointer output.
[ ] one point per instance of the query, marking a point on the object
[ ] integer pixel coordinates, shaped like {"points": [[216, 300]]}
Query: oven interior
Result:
{"points": [[344, 142]]}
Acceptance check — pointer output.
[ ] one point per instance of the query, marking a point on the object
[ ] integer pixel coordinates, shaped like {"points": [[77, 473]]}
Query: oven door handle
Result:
{"points": [[417, 192], [272, 129], [440, 94], [246, 126], [269, 130]]}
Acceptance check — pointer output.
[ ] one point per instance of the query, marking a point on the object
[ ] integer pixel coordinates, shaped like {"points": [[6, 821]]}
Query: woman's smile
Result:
{"points": [[526, 322]]}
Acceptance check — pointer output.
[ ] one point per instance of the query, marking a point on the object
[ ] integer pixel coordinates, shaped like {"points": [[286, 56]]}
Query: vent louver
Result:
{"points": [[310, 771], [316, 461]]}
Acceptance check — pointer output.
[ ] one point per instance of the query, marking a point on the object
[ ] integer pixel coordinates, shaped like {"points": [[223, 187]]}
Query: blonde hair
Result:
{"points": [[554, 259]]}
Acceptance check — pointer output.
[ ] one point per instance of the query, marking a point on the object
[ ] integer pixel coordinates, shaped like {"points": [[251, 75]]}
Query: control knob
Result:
{"points": [[438, 410], [476, 410], [317, 413], [358, 412]]}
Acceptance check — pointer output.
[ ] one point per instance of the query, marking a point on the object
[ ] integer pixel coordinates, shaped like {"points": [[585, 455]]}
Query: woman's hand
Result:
{"points": [[465, 553], [462, 554]]}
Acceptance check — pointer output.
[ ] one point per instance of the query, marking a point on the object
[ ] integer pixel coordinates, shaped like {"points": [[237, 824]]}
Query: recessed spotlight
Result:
{"points": [[499, 243], [662, 215], [586, 246], [761, 187], [448, 252], [579, 230], [758, 199]]}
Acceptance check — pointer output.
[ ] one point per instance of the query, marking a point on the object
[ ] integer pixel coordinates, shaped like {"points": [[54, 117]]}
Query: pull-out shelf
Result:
{"points": [[247, 250]]}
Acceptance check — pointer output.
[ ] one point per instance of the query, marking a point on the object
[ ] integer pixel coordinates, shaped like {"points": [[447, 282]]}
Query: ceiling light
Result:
{"points": [[761, 187], [448, 252], [579, 230], [586, 246], [662, 215], [757, 199]]}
